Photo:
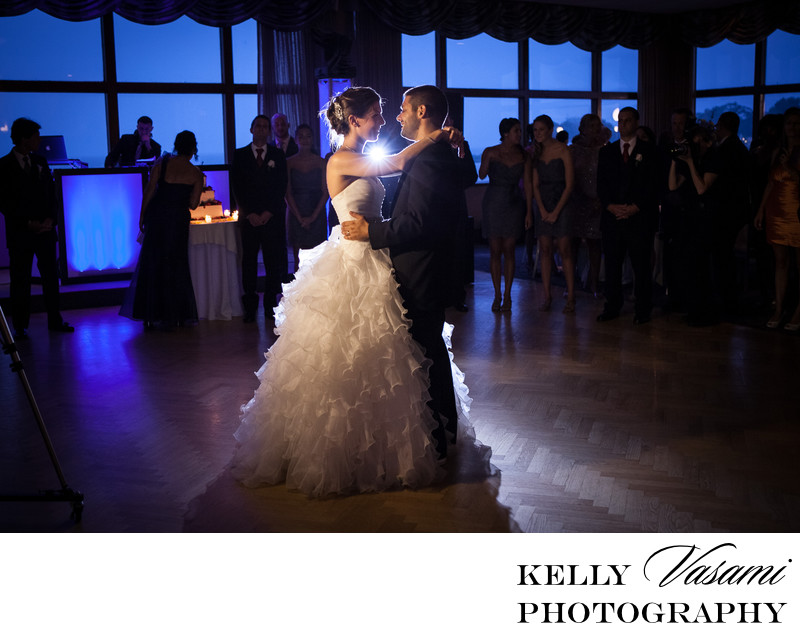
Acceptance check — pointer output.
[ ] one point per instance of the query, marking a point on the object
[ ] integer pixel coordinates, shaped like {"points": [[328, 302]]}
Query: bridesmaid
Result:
{"points": [[503, 206], [552, 179], [778, 214], [306, 195]]}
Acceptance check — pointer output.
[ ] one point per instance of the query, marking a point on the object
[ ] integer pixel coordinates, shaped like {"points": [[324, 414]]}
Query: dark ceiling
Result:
{"points": [[646, 6]]}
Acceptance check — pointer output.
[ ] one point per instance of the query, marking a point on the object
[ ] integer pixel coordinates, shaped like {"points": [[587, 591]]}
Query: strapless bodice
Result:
{"points": [[364, 196]]}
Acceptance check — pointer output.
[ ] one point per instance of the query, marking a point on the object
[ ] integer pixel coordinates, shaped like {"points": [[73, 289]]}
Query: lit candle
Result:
{"points": [[208, 218], [226, 213], [236, 215]]}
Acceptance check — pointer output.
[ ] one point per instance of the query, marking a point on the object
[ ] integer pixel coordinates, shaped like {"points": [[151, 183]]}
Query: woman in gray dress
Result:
{"points": [[552, 182], [503, 206], [306, 195], [584, 204]]}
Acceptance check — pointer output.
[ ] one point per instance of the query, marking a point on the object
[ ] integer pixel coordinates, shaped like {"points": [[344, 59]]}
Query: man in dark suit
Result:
{"points": [[136, 146], [733, 208], [28, 205], [627, 186], [281, 137], [421, 236], [259, 178]]}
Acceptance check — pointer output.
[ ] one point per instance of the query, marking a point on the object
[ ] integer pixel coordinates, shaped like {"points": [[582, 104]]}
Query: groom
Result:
{"points": [[420, 236]]}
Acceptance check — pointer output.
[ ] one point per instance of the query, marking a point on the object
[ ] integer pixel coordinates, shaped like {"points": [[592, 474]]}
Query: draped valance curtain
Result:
{"points": [[508, 20]]}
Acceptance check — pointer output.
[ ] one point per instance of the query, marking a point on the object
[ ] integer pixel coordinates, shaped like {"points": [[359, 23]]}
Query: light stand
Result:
{"points": [[65, 494]]}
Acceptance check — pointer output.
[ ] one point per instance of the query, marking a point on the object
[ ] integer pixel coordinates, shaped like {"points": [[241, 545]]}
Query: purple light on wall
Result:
{"points": [[100, 221]]}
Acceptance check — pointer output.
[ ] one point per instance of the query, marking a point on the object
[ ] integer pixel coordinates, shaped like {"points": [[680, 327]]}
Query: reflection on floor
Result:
{"points": [[594, 428]]}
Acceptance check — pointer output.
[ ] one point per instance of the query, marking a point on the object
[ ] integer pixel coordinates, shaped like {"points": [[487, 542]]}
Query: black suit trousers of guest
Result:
{"points": [[426, 329], [20, 255], [630, 237], [270, 241]]}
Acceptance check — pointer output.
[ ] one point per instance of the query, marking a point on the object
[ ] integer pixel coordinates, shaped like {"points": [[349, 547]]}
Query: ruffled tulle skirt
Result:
{"points": [[342, 401]]}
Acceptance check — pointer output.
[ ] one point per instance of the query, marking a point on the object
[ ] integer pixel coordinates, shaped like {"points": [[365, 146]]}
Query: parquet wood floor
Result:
{"points": [[594, 428]]}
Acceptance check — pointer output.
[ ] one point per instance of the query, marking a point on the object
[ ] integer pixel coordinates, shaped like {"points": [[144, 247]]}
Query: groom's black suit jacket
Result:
{"points": [[421, 236], [421, 232]]}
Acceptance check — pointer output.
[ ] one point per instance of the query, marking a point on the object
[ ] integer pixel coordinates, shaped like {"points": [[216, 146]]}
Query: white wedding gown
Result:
{"points": [[341, 407]]}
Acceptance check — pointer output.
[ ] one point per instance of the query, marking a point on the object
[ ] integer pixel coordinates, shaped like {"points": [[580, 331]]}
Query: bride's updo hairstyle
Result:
{"points": [[353, 101]]}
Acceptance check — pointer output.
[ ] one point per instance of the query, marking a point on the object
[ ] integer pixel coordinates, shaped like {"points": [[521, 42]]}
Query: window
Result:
{"points": [[419, 59], [725, 69], [562, 67], [709, 109], [482, 78], [726, 65], [180, 63], [246, 106], [79, 117], [482, 62], [182, 51], [566, 113], [620, 70], [482, 118], [37, 47], [172, 113], [779, 103], [245, 47]]}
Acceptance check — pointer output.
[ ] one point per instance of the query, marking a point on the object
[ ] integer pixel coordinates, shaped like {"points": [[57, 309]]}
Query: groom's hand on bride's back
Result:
{"points": [[355, 229]]}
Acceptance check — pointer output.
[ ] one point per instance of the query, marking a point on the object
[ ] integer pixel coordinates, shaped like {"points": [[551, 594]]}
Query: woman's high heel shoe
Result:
{"points": [[569, 307], [545, 306], [496, 305], [506, 306]]}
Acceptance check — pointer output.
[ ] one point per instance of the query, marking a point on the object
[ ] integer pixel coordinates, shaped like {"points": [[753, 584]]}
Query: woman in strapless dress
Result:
{"points": [[306, 195], [552, 179], [779, 214], [342, 402], [503, 206]]}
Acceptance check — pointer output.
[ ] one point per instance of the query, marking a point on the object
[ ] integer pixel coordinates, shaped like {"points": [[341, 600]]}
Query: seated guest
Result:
{"points": [[136, 146], [29, 209]]}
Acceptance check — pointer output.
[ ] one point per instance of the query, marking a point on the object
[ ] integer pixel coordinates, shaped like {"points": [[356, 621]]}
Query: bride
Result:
{"points": [[342, 401]]}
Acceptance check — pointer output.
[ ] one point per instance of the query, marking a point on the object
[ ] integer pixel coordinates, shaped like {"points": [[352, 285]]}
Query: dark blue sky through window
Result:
{"points": [[37, 47], [182, 51]]}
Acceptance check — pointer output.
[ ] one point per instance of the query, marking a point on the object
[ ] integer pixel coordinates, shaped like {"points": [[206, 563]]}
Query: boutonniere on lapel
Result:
{"points": [[638, 160], [271, 164]]}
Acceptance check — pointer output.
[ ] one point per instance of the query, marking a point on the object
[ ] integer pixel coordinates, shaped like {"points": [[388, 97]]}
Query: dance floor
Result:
{"points": [[594, 428]]}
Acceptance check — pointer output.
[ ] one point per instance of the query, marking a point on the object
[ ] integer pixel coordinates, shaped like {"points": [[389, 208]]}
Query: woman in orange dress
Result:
{"points": [[778, 214]]}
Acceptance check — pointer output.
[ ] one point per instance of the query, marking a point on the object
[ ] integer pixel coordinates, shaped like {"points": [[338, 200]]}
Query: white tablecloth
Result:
{"points": [[215, 264]]}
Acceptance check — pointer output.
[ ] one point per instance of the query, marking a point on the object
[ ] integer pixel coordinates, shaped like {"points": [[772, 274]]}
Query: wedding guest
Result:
{"points": [[161, 292], [136, 146], [552, 179], [778, 215], [280, 135], [503, 206], [584, 204], [259, 179], [733, 192], [695, 176], [306, 195], [28, 205], [627, 176]]}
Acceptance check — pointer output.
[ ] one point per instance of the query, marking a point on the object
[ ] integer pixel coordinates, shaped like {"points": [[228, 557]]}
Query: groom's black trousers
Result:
{"points": [[426, 329]]}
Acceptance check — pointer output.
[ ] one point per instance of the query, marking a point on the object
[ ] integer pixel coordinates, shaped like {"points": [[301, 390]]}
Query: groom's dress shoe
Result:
{"points": [[606, 316]]}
